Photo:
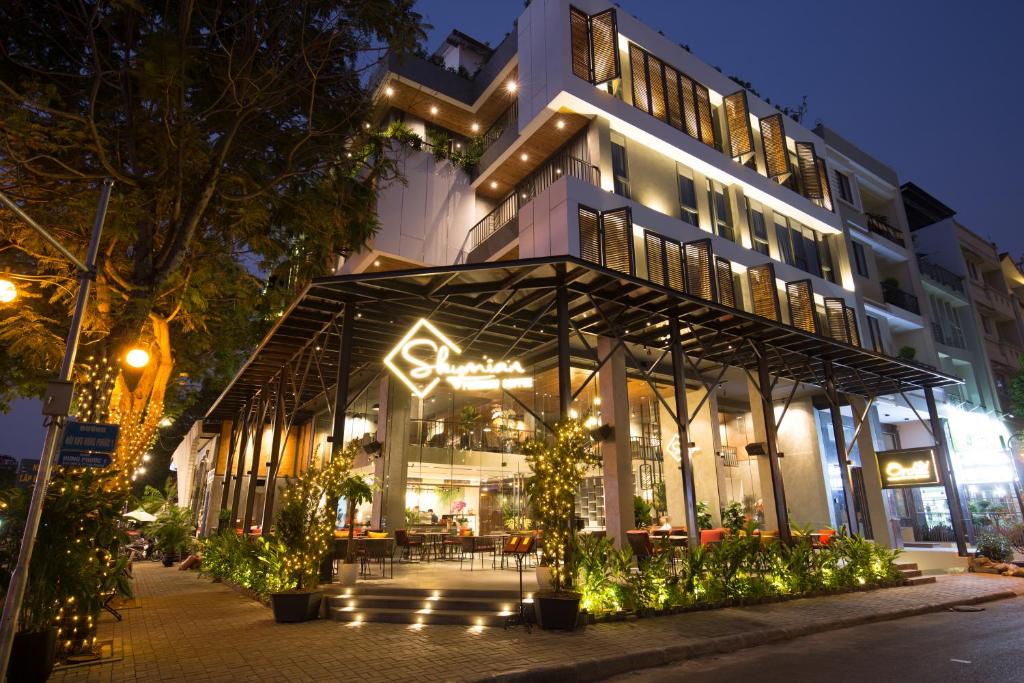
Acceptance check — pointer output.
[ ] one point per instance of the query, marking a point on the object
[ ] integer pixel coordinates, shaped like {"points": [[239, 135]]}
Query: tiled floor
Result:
{"points": [[188, 629]]}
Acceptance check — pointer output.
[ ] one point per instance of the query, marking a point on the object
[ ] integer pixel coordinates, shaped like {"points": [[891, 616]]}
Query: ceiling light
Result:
{"points": [[433, 110], [560, 124], [475, 127], [524, 156], [511, 86], [389, 91], [494, 184], [377, 263]]}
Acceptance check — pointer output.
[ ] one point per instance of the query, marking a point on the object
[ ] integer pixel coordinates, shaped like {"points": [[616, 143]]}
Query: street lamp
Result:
{"points": [[137, 358], [56, 405], [8, 292]]}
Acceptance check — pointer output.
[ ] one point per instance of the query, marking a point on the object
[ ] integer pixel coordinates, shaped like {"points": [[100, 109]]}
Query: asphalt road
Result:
{"points": [[944, 646]]}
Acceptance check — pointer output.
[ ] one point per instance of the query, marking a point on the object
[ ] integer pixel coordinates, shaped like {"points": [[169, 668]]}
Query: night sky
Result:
{"points": [[931, 88]]}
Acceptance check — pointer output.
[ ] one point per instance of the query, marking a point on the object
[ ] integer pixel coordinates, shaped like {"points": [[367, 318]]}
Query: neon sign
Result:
{"points": [[425, 357], [908, 467], [917, 471]]}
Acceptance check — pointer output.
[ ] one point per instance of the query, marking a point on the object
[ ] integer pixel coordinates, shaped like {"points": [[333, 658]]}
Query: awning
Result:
{"points": [[508, 306]]}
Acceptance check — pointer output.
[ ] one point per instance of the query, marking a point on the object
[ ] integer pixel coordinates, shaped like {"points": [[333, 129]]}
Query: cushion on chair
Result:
{"points": [[376, 534], [709, 536]]}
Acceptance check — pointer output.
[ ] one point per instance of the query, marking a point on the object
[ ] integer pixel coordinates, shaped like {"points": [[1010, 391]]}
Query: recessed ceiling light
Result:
{"points": [[389, 91], [475, 127], [494, 184], [524, 156], [433, 109], [560, 124], [511, 86], [377, 262]]}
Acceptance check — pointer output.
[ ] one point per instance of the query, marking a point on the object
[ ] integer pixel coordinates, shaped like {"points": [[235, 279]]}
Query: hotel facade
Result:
{"points": [[595, 224]]}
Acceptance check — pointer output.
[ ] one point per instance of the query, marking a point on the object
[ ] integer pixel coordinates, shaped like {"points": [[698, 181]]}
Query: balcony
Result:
{"points": [[941, 276], [951, 339], [897, 297], [879, 225], [500, 135]]}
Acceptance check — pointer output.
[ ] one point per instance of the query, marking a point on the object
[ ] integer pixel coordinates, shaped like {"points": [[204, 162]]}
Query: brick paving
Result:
{"points": [[186, 628]]}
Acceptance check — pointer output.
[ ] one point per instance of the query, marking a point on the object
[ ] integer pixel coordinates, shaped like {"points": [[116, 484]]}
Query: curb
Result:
{"points": [[606, 667]]}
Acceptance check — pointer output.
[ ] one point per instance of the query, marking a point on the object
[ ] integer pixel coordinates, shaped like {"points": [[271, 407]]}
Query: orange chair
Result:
{"points": [[709, 536], [824, 537]]}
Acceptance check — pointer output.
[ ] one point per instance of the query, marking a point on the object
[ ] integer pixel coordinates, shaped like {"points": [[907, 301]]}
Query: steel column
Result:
{"points": [[683, 426], [348, 322], [839, 432], [778, 490], [948, 481], [232, 444], [254, 470], [275, 457], [243, 444], [564, 376]]}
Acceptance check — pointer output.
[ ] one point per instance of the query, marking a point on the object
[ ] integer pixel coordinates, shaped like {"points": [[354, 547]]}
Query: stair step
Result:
{"points": [[405, 616], [919, 580], [910, 573], [423, 593], [905, 565], [414, 603]]}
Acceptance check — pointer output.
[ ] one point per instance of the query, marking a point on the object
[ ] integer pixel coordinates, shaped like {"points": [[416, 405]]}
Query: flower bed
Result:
{"points": [[740, 570]]}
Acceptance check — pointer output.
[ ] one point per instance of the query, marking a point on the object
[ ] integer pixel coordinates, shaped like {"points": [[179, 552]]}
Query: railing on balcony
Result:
{"points": [[940, 275], [506, 120], [904, 300], [879, 226], [953, 339], [559, 165]]}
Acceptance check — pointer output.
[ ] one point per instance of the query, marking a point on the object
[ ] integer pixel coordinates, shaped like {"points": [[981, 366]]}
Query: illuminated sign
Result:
{"points": [[425, 357], [908, 467]]}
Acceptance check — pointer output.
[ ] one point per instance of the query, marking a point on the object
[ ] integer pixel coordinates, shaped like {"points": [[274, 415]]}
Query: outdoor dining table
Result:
{"points": [[433, 542]]}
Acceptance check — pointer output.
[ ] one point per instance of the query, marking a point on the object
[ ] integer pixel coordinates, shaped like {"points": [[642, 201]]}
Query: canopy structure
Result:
{"points": [[140, 515]]}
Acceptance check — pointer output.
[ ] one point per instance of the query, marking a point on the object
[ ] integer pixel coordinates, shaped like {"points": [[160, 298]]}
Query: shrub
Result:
{"points": [[995, 547], [733, 518]]}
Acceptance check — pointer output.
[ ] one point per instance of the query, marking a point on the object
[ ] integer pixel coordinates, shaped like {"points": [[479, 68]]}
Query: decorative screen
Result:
{"points": [[763, 291], [773, 139], [700, 279], [737, 122], [800, 297]]}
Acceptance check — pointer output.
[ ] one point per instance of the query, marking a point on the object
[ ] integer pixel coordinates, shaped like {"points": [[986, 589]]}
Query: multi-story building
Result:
{"points": [[660, 251]]}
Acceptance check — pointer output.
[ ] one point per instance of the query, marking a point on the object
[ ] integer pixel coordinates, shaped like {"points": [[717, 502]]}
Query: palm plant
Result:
{"points": [[356, 491], [172, 530]]}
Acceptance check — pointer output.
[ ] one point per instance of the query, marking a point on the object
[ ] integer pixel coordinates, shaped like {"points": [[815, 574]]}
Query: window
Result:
{"points": [[688, 200], [721, 217], [986, 322], [804, 248], [758, 229], [875, 331], [620, 168], [973, 270], [843, 186], [860, 259]]}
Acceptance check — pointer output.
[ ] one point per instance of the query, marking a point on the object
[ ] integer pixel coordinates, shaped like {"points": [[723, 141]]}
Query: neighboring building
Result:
{"points": [[652, 191]]}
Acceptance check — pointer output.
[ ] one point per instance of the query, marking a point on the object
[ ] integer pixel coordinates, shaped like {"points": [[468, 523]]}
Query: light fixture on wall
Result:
{"points": [[760, 448]]}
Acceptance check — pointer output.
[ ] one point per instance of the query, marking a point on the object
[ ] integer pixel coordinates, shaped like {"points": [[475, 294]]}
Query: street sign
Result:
{"points": [[27, 473], [92, 437], [73, 459]]}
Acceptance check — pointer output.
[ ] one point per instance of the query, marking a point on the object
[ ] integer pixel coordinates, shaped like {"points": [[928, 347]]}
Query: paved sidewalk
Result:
{"points": [[189, 629]]}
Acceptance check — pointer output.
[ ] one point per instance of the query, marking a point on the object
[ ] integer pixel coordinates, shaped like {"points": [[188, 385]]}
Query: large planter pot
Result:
{"points": [[32, 656], [168, 561], [558, 611], [543, 577], [296, 606], [348, 573]]}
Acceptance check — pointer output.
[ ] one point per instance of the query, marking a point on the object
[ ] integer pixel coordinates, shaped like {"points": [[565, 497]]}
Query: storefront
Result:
{"points": [[443, 374]]}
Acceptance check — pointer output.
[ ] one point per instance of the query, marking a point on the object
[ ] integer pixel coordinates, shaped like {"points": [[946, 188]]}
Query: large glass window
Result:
{"points": [[875, 331], [688, 200], [860, 259], [758, 228], [720, 213], [803, 248], [843, 187], [620, 167]]}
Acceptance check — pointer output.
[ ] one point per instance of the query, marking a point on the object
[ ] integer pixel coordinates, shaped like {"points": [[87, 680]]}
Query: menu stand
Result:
{"points": [[519, 547]]}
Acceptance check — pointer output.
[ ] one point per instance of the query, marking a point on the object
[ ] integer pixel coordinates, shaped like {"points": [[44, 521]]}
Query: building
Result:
{"points": [[596, 225]]}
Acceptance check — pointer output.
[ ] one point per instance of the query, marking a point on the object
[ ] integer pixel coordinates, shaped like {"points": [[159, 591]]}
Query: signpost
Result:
{"points": [[88, 444], [27, 469]]}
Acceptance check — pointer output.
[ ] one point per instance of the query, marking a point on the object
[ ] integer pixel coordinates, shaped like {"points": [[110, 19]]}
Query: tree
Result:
{"points": [[235, 134], [1017, 390]]}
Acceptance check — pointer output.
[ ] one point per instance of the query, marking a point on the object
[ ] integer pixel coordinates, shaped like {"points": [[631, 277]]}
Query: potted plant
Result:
{"points": [[355, 491], [173, 533], [558, 470]]}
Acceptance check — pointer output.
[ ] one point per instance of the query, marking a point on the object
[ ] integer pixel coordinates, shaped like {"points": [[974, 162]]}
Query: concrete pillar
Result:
{"points": [[704, 434], [807, 491], [618, 471], [878, 509], [764, 474], [390, 470]]}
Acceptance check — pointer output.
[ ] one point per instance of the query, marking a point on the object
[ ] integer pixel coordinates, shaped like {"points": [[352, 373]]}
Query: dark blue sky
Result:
{"points": [[931, 88]]}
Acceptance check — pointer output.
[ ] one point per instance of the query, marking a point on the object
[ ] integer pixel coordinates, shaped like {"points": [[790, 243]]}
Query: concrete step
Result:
{"points": [[905, 565], [420, 593], [405, 616], [910, 573], [919, 580], [415, 603]]}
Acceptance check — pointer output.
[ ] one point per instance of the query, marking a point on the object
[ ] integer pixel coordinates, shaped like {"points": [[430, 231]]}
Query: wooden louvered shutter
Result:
{"points": [[690, 118], [700, 277], [737, 122], [800, 299], [807, 165], [674, 270], [656, 82], [826, 189], [851, 324], [707, 125], [641, 91], [763, 291], [617, 242], [835, 316], [654, 246], [590, 238], [579, 40], [604, 36], [773, 140], [673, 98], [726, 290]]}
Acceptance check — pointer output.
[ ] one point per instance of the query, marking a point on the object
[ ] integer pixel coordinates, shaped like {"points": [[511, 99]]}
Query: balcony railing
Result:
{"points": [[947, 338], [506, 119], [879, 226], [507, 210], [904, 300], [940, 275]]}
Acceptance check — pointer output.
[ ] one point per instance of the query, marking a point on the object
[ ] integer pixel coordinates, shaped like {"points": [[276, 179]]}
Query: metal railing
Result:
{"points": [[506, 120], [880, 227], [947, 338], [905, 300], [506, 211], [940, 275]]}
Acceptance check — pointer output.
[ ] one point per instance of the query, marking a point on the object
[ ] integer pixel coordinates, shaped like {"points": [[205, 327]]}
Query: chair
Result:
{"points": [[709, 536], [824, 537], [473, 546], [408, 545], [379, 551], [640, 544]]}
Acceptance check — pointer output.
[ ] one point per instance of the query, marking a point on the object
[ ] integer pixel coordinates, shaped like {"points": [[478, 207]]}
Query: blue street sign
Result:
{"points": [[27, 473], [73, 459], [93, 437]]}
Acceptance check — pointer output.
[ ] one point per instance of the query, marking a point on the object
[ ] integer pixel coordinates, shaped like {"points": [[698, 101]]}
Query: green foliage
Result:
{"points": [[154, 500], [733, 518], [703, 515], [173, 530], [256, 564], [660, 499], [641, 512], [1016, 389], [354, 489], [995, 547]]}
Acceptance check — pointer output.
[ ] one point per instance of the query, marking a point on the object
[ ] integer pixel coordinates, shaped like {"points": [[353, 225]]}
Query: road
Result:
{"points": [[943, 646]]}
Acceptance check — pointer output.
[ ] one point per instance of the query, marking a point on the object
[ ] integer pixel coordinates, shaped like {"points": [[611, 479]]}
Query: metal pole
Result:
{"points": [[275, 458], [348, 322], [243, 444], [232, 445], [683, 427], [257, 452], [19, 577], [952, 495], [778, 490], [564, 376], [839, 432], [82, 267]]}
